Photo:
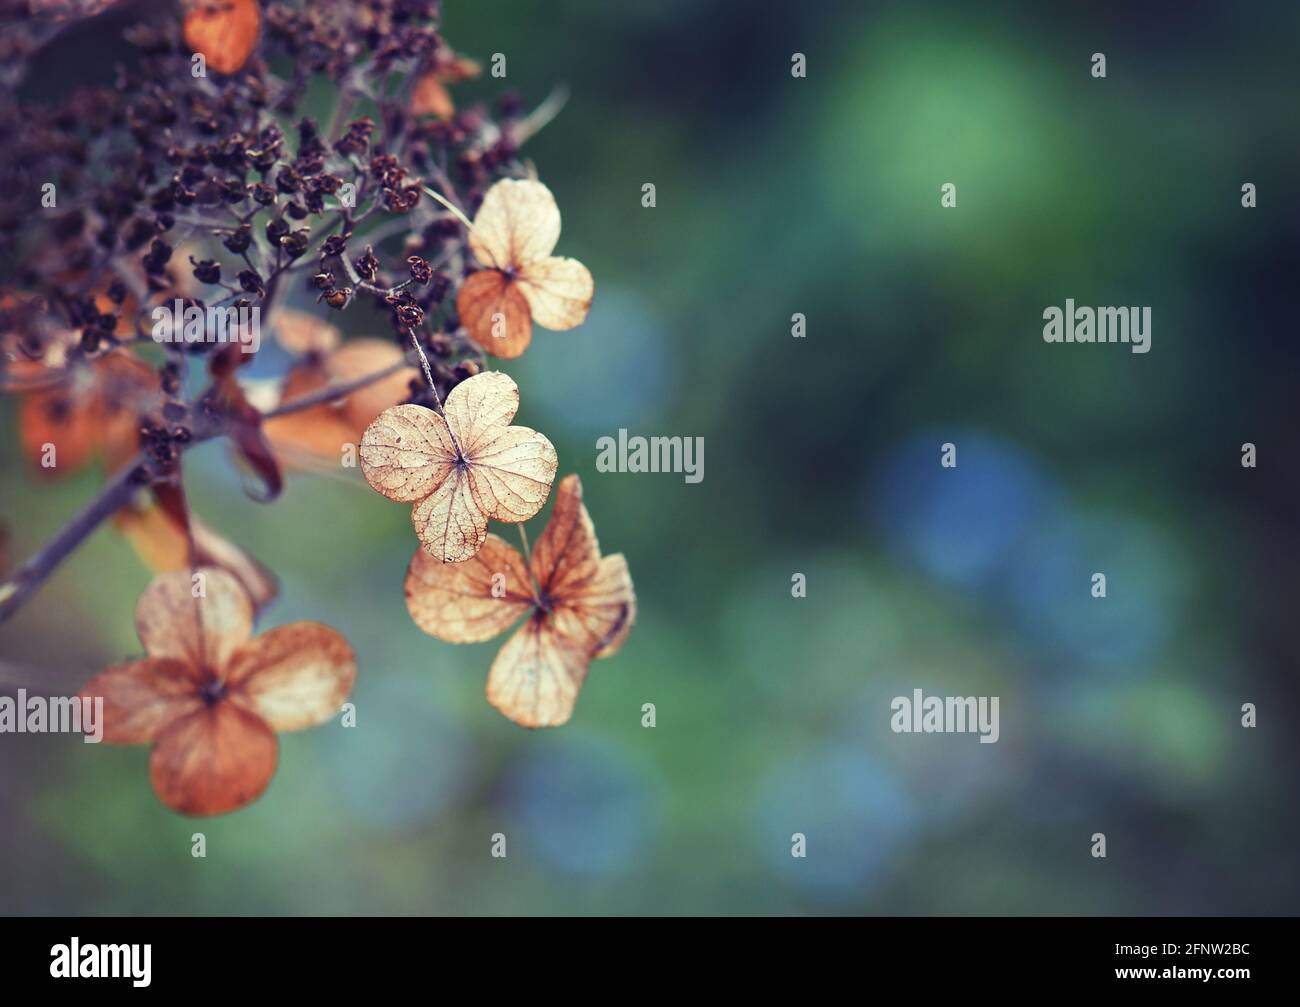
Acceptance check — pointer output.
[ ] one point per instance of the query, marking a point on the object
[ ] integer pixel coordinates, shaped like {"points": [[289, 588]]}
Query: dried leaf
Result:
{"points": [[301, 334], [161, 543], [95, 412], [580, 606], [320, 432], [224, 31], [430, 97], [514, 233], [461, 470]]}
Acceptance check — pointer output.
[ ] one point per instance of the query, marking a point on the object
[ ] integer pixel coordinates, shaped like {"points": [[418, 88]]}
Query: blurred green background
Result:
{"points": [[779, 195]]}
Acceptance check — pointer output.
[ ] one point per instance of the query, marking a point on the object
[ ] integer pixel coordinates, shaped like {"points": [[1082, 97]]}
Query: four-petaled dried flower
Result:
{"points": [[579, 606], [210, 697], [514, 233], [462, 468]]}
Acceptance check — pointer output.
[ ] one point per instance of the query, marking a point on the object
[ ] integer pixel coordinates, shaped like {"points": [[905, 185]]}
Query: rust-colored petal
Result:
{"points": [[317, 432], [55, 417], [225, 31], [143, 698], [430, 97], [567, 554], [600, 615], [558, 291], [536, 675], [361, 357], [471, 601], [201, 631], [407, 453], [215, 760], [96, 409], [495, 314], [293, 676]]}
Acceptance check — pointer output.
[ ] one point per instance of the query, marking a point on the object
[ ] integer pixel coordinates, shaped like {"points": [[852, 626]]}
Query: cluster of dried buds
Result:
{"points": [[195, 185]]}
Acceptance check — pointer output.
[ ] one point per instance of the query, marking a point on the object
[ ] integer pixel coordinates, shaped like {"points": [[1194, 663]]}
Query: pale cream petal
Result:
{"points": [[511, 474], [600, 616], [202, 631], [559, 292], [471, 601], [479, 406], [536, 676], [449, 523], [406, 453], [517, 224], [293, 676]]}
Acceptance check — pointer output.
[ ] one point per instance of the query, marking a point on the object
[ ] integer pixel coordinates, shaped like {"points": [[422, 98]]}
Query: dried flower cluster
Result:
{"points": [[196, 182]]}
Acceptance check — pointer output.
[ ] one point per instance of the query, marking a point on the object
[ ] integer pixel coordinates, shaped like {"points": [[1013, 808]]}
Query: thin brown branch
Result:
{"points": [[113, 495], [331, 392], [117, 492]]}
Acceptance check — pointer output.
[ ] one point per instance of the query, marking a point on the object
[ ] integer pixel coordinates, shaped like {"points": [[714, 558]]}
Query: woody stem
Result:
{"points": [[428, 371], [456, 210], [114, 495]]}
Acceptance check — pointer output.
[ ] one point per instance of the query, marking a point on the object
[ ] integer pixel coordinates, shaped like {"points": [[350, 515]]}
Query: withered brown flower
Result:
{"points": [[209, 698], [580, 605], [462, 468], [514, 233]]}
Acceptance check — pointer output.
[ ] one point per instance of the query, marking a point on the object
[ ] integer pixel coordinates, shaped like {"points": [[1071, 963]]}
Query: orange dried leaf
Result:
{"points": [[461, 470], [320, 432], [430, 97], [224, 31], [514, 233], [580, 606], [94, 410], [301, 333], [162, 545]]}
